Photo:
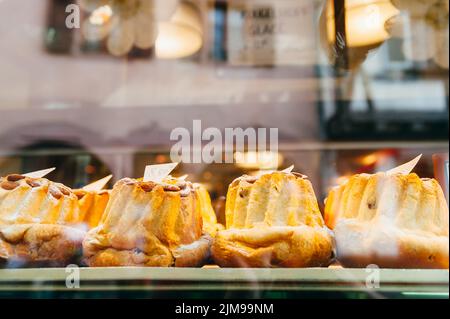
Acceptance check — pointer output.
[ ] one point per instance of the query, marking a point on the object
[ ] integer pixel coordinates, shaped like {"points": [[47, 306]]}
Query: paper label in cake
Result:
{"points": [[98, 185], [407, 168], [289, 169], [183, 178], [157, 173], [40, 174]]}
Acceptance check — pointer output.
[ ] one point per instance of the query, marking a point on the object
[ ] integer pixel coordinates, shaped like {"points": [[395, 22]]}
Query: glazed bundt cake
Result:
{"points": [[393, 221], [92, 205], [36, 219], [272, 221], [210, 224], [149, 224]]}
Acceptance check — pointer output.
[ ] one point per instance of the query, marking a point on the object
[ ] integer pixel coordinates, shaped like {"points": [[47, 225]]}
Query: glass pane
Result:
{"points": [[278, 112]]}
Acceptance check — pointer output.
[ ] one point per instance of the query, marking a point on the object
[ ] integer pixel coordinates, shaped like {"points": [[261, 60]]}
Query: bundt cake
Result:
{"points": [[272, 221], [92, 205], [390, 220], [36, 219], [210, 224], [149, 224]]}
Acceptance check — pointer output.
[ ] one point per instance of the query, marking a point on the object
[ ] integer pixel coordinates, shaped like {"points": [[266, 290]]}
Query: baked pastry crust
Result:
{"points": [[392, 221], [149, 224], [92, 206], [272, 221], [39, 244], [210, 224], [36, 216]]}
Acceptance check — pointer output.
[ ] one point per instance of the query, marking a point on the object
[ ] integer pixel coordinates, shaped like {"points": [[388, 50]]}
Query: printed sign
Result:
{"points": [[271, 32]]}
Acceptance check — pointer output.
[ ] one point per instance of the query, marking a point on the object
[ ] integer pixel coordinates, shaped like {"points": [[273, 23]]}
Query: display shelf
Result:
{"points": [[213, 281]]}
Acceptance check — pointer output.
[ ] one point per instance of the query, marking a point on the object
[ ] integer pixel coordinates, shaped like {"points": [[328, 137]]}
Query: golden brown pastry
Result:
{"points": [[92, 206], [209, 217], [149, 224], [272, 221], [35, 219], [392, 221]]}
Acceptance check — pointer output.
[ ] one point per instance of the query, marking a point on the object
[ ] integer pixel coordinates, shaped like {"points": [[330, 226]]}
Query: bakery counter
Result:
{"points": [[211, 281]]}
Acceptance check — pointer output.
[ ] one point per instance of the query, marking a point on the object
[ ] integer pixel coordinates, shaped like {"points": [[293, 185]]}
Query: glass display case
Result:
{"points": [[234, 91]]}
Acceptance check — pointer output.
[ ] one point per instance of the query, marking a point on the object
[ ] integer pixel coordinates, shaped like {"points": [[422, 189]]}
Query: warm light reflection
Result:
{"points": [[369, 160], [258, 160], [101, 15], [365, 21], [341, 180], [181, 36]]}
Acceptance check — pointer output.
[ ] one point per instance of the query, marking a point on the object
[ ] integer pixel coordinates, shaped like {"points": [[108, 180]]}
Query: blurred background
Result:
{"points": [[94, 87]]}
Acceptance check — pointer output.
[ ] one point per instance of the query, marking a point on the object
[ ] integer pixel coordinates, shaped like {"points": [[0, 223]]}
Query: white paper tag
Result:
{"points": [[288, 170], [405, 169], [39, 174], [98, 185], [157, 173], [183, 178]]}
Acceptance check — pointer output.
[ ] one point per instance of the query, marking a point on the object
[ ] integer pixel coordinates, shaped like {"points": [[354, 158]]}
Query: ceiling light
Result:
{"points": [[182, 36]]}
